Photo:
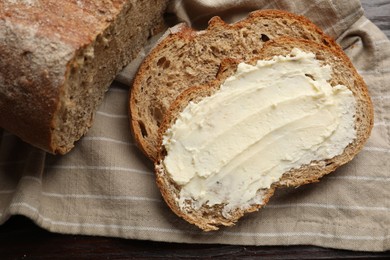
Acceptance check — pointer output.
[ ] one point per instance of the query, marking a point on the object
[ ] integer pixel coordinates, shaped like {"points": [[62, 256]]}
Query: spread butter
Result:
{"points": [[263, 121]]}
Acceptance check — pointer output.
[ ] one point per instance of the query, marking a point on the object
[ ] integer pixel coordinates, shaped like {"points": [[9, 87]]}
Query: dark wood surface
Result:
{"points": [[20, 238]]}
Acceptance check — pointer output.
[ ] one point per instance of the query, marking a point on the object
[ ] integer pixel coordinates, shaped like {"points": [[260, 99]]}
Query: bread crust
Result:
{"points": [[343, 72], [149, 101], [46, 46]]}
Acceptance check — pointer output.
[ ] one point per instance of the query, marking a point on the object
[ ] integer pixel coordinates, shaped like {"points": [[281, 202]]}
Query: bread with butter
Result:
{"points": [[210, 217], [187, 57]]}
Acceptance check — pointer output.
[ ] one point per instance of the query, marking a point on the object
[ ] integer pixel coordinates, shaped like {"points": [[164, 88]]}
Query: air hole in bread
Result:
{"points": [[27, 55], [157, 114], [264, 38], [166, 64], [255, 51], [214, 49], [148, 80], [325, 41], [163, 63], [143, 129]]}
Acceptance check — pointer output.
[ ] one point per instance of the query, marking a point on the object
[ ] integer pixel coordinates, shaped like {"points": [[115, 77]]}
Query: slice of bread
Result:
{"points": [[342, 73], [187, 57]]}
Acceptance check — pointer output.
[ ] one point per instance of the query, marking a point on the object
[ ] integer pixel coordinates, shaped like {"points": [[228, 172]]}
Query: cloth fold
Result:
{"points": [[105, 186]]}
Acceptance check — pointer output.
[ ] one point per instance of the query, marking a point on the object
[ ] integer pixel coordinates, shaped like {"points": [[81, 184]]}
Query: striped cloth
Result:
{"points": [[105, 186]]}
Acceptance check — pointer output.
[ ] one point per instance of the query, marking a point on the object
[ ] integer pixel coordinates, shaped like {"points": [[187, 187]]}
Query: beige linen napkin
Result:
{"points": [[105, 186]]}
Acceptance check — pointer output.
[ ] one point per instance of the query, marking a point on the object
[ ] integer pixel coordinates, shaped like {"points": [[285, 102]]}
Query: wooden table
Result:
{"points": [[20, 238]]}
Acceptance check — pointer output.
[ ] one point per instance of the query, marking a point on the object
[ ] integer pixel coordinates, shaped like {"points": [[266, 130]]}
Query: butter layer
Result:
{"points": [[263, 121]]}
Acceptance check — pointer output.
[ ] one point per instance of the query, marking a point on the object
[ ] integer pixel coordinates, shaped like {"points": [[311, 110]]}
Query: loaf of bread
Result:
{"points": [[57, 59], [187, 57], [205, 210]]}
